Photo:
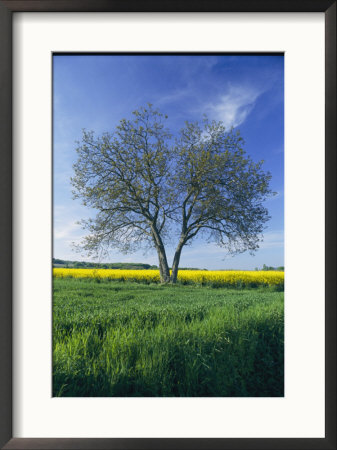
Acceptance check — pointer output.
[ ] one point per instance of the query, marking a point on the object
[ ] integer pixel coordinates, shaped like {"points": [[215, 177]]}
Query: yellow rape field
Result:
{"points": [[203, 277]]}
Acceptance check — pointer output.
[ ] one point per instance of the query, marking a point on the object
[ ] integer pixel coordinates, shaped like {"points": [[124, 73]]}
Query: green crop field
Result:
{"points": [[121, 339]]}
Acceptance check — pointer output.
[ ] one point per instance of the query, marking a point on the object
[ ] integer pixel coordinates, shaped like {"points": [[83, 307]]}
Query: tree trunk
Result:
{"points": [[175, 265], [163, 266]]}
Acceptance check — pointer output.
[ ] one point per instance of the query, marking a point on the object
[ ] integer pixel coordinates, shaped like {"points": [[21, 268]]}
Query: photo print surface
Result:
{"points": [[168, 225]]}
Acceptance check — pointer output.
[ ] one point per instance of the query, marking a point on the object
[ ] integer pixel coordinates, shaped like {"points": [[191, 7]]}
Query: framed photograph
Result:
{"points": [[140, 145]]}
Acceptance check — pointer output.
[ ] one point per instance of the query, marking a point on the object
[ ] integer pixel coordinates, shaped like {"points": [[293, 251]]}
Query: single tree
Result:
{"points": [[149, 188]]}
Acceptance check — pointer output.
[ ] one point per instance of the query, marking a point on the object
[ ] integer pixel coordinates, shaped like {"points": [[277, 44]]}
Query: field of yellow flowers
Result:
{"points": [[201, 277]]}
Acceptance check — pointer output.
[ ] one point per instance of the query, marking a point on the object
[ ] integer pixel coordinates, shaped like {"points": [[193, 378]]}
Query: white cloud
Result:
{"points": [[235, 105], [173, 97], [66, 231], [274, 239], [66, 217]]}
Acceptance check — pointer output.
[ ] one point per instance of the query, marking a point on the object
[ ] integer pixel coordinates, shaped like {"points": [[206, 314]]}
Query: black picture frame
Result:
{"points": [[7, 8]]}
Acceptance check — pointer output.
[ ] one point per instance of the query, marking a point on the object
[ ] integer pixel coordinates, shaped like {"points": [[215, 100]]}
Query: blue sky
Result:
{"points": [[96, 91]]}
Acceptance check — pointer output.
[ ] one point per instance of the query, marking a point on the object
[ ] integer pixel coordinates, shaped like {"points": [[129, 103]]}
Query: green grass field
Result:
{"points": [[128, 339]]}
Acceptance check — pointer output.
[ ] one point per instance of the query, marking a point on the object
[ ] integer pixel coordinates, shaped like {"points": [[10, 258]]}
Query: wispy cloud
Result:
{"points": [[66, 217], [67, 231], [235, 105], [273, 239], [173, 97], [211, 250]]}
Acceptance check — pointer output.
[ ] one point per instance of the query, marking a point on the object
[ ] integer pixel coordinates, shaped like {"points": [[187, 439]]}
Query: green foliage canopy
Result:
{"points": [[149, 188]]}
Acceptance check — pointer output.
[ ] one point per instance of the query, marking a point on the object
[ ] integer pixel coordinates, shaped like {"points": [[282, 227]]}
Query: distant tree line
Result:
{"points": [[264, 267], [131, 266], [92, 265]]}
